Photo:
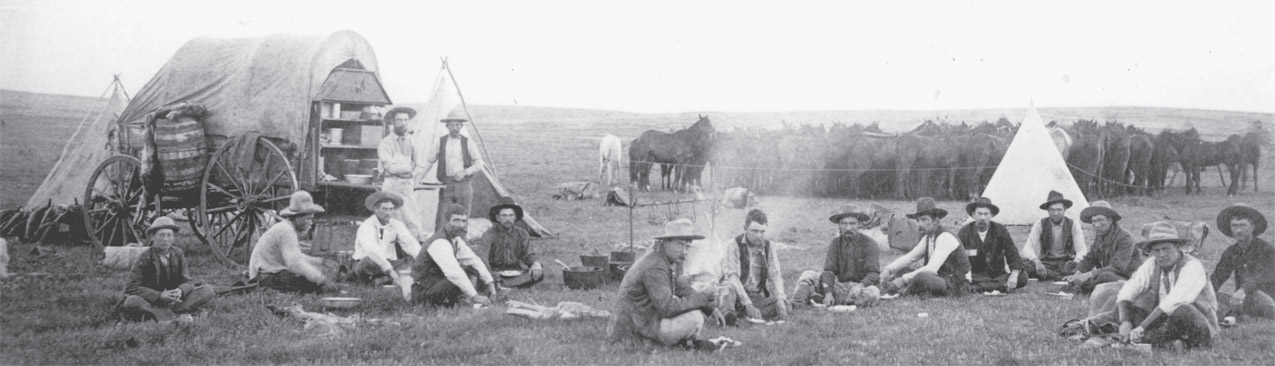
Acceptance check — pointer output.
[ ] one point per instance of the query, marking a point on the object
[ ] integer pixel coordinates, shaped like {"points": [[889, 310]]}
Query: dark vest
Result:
{"points": [[425, 269], [745, 266], [957, 264], [442, 156], [1047, 237]]}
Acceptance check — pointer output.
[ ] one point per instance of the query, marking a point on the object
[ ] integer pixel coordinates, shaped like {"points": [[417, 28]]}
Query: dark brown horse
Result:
{"points": [[1086, 156], [669, 149], [1141, 149]]}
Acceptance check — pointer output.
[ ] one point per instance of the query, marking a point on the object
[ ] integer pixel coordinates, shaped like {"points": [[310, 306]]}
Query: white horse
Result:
{"points": [[609, 156]]}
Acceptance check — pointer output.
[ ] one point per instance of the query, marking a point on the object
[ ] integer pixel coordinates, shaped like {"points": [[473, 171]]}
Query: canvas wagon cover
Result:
{"points": [[263, 84]]}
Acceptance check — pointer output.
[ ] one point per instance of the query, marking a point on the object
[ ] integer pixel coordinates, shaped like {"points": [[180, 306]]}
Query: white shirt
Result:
{"points": [[939, 249], [1031, 250], [450, 263], [456, 161], [376, 242], [1183, 290]]}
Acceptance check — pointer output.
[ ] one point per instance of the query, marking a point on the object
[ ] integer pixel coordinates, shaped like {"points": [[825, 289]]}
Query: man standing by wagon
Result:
{"points": [[990, 249], [1112, 257], [510, 254], [945, 261], [1251, 260], [752, 283], [850, 269], [1055, 242], [1184, 312], [403, 168], [458, 160]]}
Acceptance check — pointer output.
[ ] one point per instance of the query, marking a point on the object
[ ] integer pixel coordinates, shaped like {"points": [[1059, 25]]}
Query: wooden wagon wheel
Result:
{"points": [[116, 209], [241, 191]]}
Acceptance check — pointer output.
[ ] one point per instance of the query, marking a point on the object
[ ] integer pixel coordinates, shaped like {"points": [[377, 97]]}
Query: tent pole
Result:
{"points": [[472, 123], [631, 207]]}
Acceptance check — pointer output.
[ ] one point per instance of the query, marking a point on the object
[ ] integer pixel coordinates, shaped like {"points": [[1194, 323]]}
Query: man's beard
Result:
{"points": [[982, 226], [400, 130]]}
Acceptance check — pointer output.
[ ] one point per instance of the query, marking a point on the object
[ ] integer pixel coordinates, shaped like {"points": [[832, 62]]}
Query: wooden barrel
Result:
{"points": [[182, 151]]}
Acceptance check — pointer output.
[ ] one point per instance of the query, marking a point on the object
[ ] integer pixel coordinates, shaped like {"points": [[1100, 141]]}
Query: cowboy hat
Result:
{"points": [[1161, 232], [454, 116], [981, 202], [679, 229], [848, 210], [389, 116], [163, 222], [375, 199], [1055, 197], [299, 204], [1241, 210], [926, 206], [505, 202], [1098, 208]]}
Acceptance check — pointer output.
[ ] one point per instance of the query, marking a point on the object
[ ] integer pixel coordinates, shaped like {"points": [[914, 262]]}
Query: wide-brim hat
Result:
{"points": [[375, 199], [1055, 197], [505, 202], [163, 222], [679, 229], [925, 206], [389, 116], [301, 203], [1241, 210], [982, 202], [454, 116], [848, 210], [1098, 208], [1161, 232]]}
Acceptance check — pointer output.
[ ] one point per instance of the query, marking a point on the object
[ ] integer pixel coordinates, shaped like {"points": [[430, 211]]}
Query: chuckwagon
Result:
{"points": [[228, 129]]}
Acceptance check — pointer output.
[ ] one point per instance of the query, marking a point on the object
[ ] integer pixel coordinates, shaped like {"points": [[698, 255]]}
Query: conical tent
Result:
{"points": [[1031, 168], [87, 148], [488, 190]]}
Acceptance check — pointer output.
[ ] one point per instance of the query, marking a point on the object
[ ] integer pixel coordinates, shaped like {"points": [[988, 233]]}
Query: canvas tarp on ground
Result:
{"points": [[84, 151], [488, 190], [1031, 168], [263, 84]]}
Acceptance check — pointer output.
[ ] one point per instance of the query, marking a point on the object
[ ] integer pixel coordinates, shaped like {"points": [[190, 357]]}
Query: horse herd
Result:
{"points": [[934, 159]]}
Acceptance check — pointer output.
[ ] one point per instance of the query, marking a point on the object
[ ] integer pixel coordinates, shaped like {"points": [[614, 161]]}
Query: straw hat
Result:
{"points": [[389, 116], [1160, 232], [848, 210], [1098, 208], [505, 202], [375, 199], [1055, 197], [679, 229], [1241, 210], [163, 222], [299, 204], [926, 206], [981, 202], [455, 115]]}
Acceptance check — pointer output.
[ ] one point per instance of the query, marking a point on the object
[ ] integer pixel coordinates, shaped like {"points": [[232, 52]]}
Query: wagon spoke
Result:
{"points": [[273, 181], [228, 224], [229, 177]]}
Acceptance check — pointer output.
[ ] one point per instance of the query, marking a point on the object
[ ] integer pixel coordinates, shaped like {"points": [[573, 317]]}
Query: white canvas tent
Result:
{"points": [[1031, 168], [488, 190], [86, 148]]}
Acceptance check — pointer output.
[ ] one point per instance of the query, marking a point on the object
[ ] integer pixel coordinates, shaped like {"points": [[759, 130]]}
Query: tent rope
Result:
{"points": [[629, 162]]}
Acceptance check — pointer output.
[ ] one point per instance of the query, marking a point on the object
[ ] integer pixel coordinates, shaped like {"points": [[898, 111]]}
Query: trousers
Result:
{"points": [[811, 285], [163, 311], [1257, 304]]}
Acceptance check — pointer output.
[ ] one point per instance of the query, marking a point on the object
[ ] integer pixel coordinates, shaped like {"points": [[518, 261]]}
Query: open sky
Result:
{"points": [[658, 56]]}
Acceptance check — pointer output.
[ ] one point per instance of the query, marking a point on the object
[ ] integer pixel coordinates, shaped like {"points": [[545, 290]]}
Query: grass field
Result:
{"points": [[62, 317]]}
